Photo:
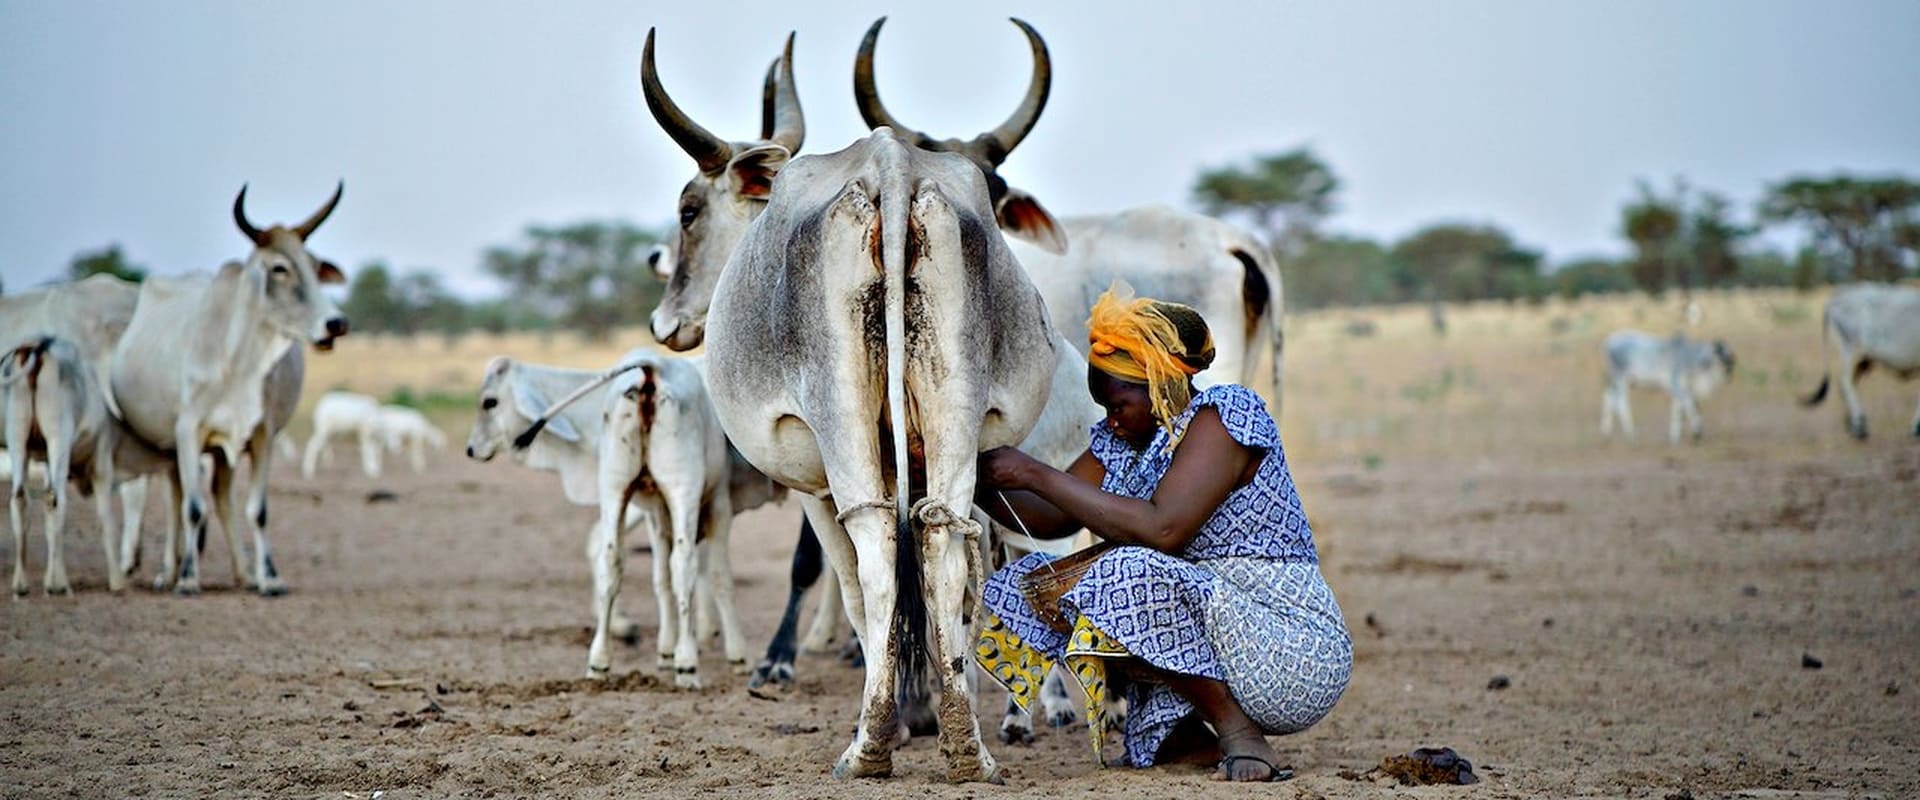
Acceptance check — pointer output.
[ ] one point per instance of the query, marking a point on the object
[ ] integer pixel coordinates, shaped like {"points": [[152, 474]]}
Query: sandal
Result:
{"points": [[1274, 774]]}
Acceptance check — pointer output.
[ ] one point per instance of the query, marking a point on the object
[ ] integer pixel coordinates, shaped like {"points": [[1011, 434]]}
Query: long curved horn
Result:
{"points": [[254, 235], [305, 229], [866, 94], [767, 101], [1021, 123], [788, 126], [709, 151]]}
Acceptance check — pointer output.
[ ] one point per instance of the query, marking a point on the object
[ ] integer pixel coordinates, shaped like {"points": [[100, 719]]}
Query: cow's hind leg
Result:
{"points": [[16, 509], [603, 551], [1850, 374], [133, 506], [716, 562], [59, 461]]}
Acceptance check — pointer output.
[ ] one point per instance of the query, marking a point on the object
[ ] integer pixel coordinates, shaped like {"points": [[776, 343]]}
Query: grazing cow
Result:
{"points": [[1687, 370], [90, 313], [1224, 272], [872, 303], [345, 414], [646, 453], [1870, 324], [405, 428], [55, 412], [190, 373]]}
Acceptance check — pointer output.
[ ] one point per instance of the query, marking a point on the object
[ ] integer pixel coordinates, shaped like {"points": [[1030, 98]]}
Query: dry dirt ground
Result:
{"points": [[1655, 612]]}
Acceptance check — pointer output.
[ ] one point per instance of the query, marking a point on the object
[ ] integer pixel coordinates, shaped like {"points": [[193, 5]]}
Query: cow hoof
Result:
{"points": [[686, 678], [19, 587], [187, 587], [663, 662], [1062, 718], [273, 589], [598, 673], [981, 770], [777, 672], [738, 666], [1858, 429], [1016, 734], [853, 766], [62, 590]]}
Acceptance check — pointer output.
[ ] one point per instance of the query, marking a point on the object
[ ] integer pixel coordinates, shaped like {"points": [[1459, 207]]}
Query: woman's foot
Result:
{"points": [[1248, 758], [1190, 742]]}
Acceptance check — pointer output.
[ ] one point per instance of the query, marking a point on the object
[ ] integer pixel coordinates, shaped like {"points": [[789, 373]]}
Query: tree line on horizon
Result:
{"points": [[593, 276]]}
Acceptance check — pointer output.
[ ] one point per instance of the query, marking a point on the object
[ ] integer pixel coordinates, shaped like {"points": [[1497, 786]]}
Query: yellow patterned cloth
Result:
{"points": [[1023, 669]]}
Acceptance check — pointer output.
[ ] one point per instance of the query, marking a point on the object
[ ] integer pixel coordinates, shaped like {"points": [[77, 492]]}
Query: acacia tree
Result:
{"points": [[1285, 195], [1465, 262], [1685, 239], [1870, 220], [105, 261], [590, 276], [1652, 223]]}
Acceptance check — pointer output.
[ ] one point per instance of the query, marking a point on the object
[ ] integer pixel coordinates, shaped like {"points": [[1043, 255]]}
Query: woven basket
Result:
{"points": [[1045, 584]]}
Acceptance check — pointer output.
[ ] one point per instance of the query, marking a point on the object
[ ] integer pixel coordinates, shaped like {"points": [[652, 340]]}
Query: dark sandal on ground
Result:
{"points": [[1225, 770]]}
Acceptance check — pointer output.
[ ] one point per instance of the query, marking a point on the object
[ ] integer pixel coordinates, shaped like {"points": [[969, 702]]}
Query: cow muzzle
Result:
{"points": [[336, 327], [676, 333]]}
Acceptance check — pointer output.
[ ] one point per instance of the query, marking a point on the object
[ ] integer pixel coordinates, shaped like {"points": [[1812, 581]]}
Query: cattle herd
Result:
{"points": [[873, 317]]}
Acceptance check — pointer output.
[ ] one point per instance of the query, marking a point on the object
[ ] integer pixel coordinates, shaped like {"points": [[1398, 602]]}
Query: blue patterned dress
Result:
{"points": [[1244, 603]]}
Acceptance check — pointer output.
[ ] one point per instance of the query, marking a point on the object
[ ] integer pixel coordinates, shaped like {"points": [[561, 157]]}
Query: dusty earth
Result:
{"points": [[1655, 613]]}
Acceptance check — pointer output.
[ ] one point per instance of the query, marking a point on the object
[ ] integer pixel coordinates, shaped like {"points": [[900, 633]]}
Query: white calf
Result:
{"points": [[345, 414], [407, 429], [1689, 371], [574, 441]]}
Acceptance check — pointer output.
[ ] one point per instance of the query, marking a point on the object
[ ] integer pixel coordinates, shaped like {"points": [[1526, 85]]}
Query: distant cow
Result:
{"points": [[1870, 324], [404, 428], [1689, 371], [345, 414]]}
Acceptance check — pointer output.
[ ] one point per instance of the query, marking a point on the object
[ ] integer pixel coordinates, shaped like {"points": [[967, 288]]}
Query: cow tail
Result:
{"points": [[909, 624], [1827, 331]]}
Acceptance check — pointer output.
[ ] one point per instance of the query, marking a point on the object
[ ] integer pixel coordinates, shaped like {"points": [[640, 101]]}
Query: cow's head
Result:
{"points": [[508, 402], [727, 193], [288, 275], [1713, 367], [1019, 214]]}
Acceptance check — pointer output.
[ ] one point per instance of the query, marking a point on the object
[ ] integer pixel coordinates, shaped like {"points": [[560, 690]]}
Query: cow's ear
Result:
{"points": [[531, 403], [327, 272], [1022, 217], [754, 169]]}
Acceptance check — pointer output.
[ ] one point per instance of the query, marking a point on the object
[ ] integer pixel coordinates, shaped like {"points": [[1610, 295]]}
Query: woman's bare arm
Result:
{"points": [[1207, 465], [1037, 517]]}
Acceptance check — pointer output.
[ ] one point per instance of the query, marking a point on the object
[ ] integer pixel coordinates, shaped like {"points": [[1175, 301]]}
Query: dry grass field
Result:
{"points": [[1738, 617]]}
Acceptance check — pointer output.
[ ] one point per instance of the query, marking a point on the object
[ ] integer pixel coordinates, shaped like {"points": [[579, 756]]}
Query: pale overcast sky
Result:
{"points": [[455, 124]]}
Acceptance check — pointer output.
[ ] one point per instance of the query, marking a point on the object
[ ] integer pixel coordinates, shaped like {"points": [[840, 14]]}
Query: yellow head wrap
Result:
{"points": [[1139, 340]]}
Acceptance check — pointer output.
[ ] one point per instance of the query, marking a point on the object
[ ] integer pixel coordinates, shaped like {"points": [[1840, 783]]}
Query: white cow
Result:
{"points": [[638, 451], [56, 413], [824, 355], [1869, 324], [403, 428], [1225, 273], [716, 208], [91, 313], [344, 414], [190, 373], [1688, 371]]}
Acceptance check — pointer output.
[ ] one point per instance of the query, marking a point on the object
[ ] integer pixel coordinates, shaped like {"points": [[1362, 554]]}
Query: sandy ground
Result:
{"points": [[1652, 608]]}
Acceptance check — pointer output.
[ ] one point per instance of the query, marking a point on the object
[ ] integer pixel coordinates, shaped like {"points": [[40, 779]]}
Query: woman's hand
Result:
{"points": [[1005, 468]]}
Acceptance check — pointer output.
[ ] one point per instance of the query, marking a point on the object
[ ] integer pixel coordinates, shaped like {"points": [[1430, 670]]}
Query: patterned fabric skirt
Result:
{"points": [[1268, 629]]}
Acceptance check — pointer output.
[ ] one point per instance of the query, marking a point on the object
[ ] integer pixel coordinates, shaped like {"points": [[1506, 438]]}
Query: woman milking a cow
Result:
{"points": [[1204, 607]]}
